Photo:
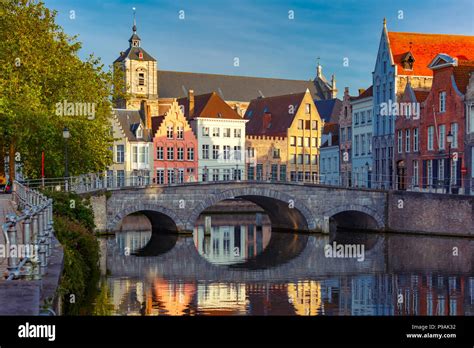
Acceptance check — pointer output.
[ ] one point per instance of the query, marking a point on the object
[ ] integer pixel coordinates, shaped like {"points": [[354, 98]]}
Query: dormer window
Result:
{"points": [[407, 61], [139, 132]]}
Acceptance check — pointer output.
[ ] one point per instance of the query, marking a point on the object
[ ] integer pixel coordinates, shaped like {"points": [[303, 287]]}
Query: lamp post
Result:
{"points": [[66, 136], [449, 139]]}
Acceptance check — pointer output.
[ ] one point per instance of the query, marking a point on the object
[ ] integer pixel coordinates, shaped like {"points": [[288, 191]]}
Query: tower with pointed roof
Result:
{"points": [[140, 74]]}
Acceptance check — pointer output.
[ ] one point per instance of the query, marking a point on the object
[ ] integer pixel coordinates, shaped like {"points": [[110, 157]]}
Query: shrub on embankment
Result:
{"points": [[74, 229]]}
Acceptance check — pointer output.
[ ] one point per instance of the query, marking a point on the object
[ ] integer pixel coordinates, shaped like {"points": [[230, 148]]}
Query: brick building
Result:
{"points": [[345, 139], [444, 114]]}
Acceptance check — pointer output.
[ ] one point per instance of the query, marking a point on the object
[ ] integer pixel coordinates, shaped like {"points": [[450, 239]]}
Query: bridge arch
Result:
{"points": [[284, 210], [157, 214], [360, 217]]}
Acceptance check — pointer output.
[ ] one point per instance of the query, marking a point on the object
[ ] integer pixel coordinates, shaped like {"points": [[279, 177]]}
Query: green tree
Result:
{"points": [[39, 71]]}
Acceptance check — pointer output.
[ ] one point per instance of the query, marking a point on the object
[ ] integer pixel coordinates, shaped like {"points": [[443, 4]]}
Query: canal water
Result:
{"points": [[237, 265]]}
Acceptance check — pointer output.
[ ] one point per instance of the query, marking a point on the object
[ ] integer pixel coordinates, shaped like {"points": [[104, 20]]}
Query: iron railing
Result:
{"points": [[28, 259]]}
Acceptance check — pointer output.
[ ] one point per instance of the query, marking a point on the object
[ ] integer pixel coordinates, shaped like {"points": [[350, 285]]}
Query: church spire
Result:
{"points": [[135, 39]]}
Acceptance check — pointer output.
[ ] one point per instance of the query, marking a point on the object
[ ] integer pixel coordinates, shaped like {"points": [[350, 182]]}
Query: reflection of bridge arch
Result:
{"points": [[356, 216], [160, 217], [275, 203]]}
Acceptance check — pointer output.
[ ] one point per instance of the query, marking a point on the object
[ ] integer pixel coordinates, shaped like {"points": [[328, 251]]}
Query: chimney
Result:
{"points": [[267, 119], [146, 114], [191, 102], [361, 90]]}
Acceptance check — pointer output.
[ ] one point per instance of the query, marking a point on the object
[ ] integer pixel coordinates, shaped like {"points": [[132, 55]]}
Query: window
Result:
{"points": [[159, 153], [407, 140], [362, 117], [190, 153], [343, 135], [300, 176], [180, 175], [362, 144], [369, 141], [170, 153], [356, 118], [300, 141], [276, 153], [369, 116], [293, 158], [170, 176], [430, 137], [314, 125], [454, 132], [314, 160], [251, 152], [442, 137], [237, 153], [314, 142], [274, 174], [227, 174], [415, 139], [250, 172], [307, 124], [120, 153], [300, 159], [259, 171], [205, 152], [226, 132], [226, 152], [215, 175], [293, 141], [306, 142], [349, 133], [135, 154], [215, 151], [169, 132], [283, 172], [300, 124], [442, 101], [180, 153], [441, 169], [120, 178], [139, 132], [308, 108], [306, 159], [180, 132], [215, 132], [141, 79], [471, 119], [356, 145], [237, 133], [415, 173], [400, 141], [454, 173], [205, 131], [430, 172]]}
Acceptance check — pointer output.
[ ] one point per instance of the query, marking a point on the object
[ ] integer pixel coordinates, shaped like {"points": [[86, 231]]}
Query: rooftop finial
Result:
{"points": [[134, 28], [384, 21]]}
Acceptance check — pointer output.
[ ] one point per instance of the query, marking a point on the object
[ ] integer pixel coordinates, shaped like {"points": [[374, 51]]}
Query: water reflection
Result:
{"points": [[225, 241], [285, 273]]}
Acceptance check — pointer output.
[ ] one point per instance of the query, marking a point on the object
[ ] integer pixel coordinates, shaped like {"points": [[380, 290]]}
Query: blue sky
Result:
{"points": [[259, 33]]}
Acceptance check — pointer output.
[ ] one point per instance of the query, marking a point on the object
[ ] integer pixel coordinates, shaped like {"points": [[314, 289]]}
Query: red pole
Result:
{"points": [[42, 167]]}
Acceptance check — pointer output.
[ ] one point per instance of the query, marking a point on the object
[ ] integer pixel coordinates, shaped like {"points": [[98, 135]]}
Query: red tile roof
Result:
{"points": [[278, 107], [462, 73], [367, 93], [424, 47], [209, 105]]}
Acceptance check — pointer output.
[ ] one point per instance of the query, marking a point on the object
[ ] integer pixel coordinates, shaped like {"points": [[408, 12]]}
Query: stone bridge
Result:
{"points": [[291, 206]]}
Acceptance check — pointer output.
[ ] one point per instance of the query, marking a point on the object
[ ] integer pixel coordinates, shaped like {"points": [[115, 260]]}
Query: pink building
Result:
{"points": [[175, 157]]}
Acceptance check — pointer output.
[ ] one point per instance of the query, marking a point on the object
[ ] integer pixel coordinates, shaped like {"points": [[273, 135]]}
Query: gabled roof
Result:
{"points": [[278, 107], [133, 53], [424, 47], [421, 94], [329, 110], [462, 72], [156, 122], [369, 92], [209, 105], [333, 128], [175, 84], [129, 121]]}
